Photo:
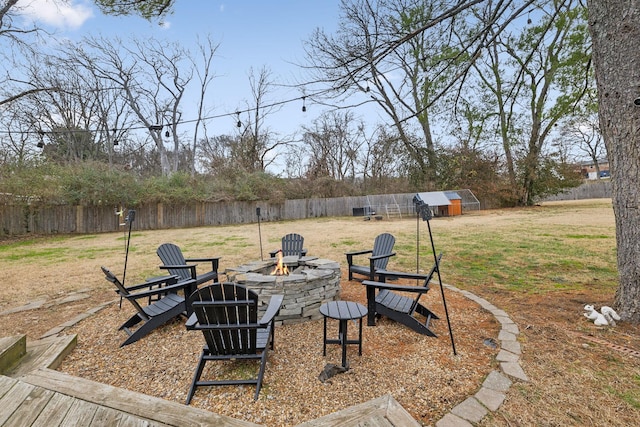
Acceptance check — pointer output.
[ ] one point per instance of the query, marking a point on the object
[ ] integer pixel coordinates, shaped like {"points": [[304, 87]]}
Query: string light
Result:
{"points": [[304, 107], [159, 127]]}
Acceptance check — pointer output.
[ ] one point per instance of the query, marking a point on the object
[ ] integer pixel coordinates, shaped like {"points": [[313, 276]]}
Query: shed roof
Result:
{"points": [[435, 198], [452, 195]]}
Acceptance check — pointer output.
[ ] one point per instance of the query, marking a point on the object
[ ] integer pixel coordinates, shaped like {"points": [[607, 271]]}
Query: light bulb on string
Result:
{"points": [[304, 107], [40, 143], [239, 124]]}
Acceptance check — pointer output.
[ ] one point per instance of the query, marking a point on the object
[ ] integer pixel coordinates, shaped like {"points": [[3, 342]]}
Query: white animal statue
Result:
{"points": [[592, 314], [609, 314]]}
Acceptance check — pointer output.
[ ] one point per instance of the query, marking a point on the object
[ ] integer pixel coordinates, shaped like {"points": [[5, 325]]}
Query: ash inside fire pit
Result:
{"points": [[310, 283]]}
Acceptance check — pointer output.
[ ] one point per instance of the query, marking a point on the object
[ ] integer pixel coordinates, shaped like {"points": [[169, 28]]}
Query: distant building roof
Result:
{"points": [[452, 195], [435, 198]]}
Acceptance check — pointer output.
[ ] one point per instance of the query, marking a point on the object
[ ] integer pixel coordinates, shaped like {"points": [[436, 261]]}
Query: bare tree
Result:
{"points": [[401, 83], [15, 37], [259, 144], [334, 143], [152, 76], [204, 71], [583, 133], [384, 158]]}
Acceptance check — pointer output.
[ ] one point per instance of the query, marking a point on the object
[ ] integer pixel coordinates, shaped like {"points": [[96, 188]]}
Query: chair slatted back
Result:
{"points": [[435, 268], [292, 245], [122, 291], [383, 244], [227, 315], [171, 254]]}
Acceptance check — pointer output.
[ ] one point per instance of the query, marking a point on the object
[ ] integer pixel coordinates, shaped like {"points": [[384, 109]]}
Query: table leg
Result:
{"points": [[324, 340], [343, 341], [360, 339]]}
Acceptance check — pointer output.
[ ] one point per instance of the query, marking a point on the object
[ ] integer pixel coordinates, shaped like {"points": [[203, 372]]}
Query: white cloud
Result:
{"points": [[62, 14]]}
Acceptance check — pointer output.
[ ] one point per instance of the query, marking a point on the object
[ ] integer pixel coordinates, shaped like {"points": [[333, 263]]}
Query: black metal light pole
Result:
{"points": [[423, 210], [129, 219], [444, 301]]}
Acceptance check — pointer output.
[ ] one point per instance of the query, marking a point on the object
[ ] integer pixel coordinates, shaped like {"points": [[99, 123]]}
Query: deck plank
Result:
{"points": [[13, 399], [28, 411], [106, 417], [80, 413], [137, 404], [53, 414], [6, 384]]}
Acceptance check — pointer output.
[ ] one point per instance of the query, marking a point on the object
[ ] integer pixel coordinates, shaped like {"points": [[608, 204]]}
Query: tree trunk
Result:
{"points": [[615, 29]]}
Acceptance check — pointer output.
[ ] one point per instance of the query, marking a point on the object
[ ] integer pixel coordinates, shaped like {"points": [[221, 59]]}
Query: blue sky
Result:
{"points": [[251, 33]]}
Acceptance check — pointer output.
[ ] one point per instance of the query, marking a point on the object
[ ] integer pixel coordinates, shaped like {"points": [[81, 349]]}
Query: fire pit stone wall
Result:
{"points": [[310, 283]]}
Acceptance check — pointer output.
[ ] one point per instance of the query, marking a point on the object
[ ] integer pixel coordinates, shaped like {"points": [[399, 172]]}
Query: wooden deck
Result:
{"points": [[33, 393]]}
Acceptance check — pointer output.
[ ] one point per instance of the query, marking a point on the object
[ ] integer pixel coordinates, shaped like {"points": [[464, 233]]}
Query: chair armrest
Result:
{"points": [[382, 256], [215, 261], [368, 251], [183, 266], [149, 283], [163, 290], [272, 309], [350, 255], [152, 280], [383, 274], [393, 287], [272, 254], [192, 321], [190, 267], [403, 275], [203, 259]]}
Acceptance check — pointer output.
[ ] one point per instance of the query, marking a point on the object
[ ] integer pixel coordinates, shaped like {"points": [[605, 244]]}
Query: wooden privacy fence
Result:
{"points": [[31, 218], [20, 219]]}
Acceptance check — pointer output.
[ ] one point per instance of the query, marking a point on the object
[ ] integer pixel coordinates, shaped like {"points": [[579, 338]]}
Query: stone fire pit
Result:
{"points": [[310, 283]]}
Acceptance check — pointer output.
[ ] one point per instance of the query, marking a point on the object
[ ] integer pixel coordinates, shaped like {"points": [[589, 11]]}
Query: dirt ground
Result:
{"points": [[579, 374]]}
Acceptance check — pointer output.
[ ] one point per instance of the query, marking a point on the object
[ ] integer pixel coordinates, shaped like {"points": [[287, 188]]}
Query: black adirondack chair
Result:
{"points": [[177, 265], [380, 254], [227, 315], [399, 307], [292, 245], [164, 303]]}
